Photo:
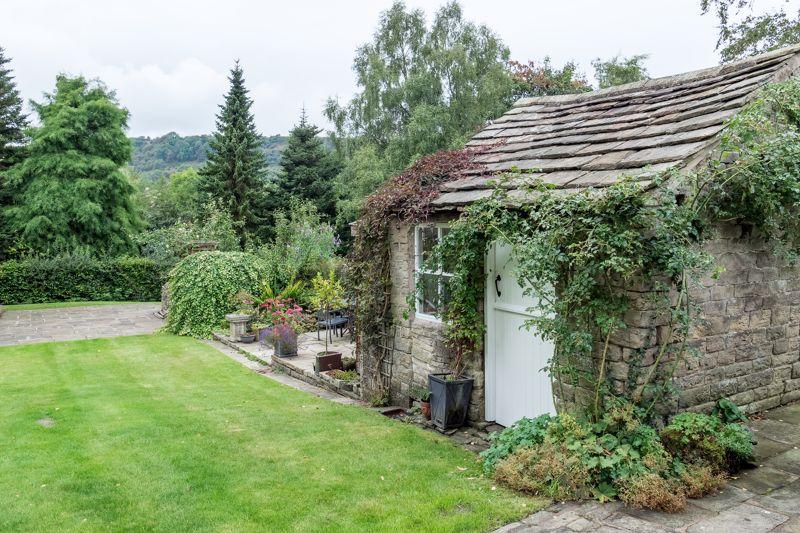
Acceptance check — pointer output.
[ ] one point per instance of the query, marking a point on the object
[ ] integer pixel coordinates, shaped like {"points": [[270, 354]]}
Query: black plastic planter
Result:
{"points": [[449, 400]]}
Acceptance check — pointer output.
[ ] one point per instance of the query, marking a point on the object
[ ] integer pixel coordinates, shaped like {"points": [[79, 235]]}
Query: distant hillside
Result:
{"points": [[160, 156]]}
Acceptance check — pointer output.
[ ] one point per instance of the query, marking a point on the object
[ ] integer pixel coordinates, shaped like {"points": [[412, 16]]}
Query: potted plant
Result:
{"points": [[327, 295], [423, 396], [240, 318], [248, 337], [261, 328], [281, 320], [449, 395]]}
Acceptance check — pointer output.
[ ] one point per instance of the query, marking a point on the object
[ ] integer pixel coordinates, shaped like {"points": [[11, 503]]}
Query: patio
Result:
{"points": [[24, 326]]}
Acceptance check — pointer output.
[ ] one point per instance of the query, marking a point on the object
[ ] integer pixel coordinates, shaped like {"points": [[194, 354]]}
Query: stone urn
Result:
{"points": [[239, 323]]}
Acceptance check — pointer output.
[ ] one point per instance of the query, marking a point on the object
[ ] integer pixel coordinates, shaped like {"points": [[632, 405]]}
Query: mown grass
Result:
{"points": [[166, 433], [55, 305]]}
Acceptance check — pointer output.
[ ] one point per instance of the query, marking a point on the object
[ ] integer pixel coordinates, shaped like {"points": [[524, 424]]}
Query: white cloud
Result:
{"points": [[182, 98], [168, 60]]}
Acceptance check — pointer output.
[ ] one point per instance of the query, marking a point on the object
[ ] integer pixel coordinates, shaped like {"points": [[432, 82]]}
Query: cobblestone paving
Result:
{"points": [[74, 323], [764, 498]]}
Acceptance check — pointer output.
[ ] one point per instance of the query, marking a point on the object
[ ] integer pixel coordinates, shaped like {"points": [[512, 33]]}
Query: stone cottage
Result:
{"points": [[749, 338]]}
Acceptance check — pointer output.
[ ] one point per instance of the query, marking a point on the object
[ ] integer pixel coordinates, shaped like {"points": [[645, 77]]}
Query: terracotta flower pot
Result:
{"points": [[425, 407]]}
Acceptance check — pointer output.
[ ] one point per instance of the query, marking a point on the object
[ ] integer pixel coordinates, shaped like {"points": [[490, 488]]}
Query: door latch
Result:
{"points": [[497, 281]]}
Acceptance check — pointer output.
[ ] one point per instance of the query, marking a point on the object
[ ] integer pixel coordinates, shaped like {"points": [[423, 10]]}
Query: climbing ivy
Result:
{"points": [[405, 198], [576, 272], [756, 179]]}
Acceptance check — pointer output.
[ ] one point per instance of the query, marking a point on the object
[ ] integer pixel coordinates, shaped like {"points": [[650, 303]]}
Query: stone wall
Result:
{"points": [[745, 339], [419, 344], [749, 338]]}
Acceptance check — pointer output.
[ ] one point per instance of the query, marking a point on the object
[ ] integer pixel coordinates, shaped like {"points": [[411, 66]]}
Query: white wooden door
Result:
{"points": [[516, 385]]}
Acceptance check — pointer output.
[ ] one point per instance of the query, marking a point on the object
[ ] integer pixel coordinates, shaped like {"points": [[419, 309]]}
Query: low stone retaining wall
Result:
{"points": [[284, 365], [345, 388]]}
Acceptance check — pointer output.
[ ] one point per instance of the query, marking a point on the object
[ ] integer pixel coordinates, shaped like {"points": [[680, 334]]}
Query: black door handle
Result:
{"points": [[496, 286]]}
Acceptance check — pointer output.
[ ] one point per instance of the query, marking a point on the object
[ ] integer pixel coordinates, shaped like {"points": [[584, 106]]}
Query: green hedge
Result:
{"points": [[80, 278]]}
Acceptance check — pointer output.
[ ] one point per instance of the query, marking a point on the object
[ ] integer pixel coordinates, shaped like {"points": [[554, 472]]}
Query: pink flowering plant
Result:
{"points": [[281, 319]]}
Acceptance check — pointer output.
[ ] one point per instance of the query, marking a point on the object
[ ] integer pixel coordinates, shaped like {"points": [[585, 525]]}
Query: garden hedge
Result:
{"points": [[77, 278]]}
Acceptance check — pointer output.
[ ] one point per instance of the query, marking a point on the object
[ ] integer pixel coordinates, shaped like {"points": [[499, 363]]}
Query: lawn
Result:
{"points": [[166, 433], [54, 305]]}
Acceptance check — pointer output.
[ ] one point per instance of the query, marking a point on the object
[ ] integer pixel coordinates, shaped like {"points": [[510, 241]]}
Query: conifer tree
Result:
{"points": [[70, 193], [234, 175], [308, 168], [12, 138], [12, 120]]}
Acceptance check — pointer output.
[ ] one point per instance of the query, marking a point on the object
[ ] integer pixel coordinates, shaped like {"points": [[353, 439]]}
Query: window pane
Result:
{"points": [[428, 237], [448, 265], [445, 297], [429, 294]]}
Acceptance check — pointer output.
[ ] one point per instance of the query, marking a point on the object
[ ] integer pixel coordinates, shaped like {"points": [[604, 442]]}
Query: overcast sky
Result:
{"points": [[168, 59]]}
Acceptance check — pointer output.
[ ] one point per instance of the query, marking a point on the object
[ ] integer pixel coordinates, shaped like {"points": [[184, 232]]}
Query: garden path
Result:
{"points": [[765, 498], [75, 323]]}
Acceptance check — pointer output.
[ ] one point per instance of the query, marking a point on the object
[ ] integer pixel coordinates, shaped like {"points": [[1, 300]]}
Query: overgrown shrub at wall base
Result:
{"points": [[76, 278], [619, 456], [200, 287]]}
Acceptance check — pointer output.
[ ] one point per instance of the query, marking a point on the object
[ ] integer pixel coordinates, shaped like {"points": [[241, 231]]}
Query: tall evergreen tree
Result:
{"points": [[70, 193], [234, 175], [308, 168], [12, 120], [12, 138]]}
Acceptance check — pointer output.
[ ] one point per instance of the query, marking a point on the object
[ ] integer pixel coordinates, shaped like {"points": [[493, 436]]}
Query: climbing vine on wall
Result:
{"points": [[405, 198], [756, 179], [576, 270]]}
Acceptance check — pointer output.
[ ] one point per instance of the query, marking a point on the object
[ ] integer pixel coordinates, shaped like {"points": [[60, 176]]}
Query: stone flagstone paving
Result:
{"points": [[75, 323], [765, 498]]}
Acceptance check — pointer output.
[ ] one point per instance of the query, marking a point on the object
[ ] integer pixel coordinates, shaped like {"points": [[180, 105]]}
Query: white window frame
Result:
{"points": [[419, 269]]}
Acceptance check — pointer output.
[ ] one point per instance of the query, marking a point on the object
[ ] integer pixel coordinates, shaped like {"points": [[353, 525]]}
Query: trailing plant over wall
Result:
{"points": [[756, 179], [201, 288], [405, 198]]}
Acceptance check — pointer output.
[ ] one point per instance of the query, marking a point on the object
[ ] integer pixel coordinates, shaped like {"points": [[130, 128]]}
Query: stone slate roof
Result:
{"points": [[591, 139]]}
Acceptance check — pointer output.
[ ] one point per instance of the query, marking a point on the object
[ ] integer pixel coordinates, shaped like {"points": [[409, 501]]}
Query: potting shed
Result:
{"points": [[749, 336]]}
